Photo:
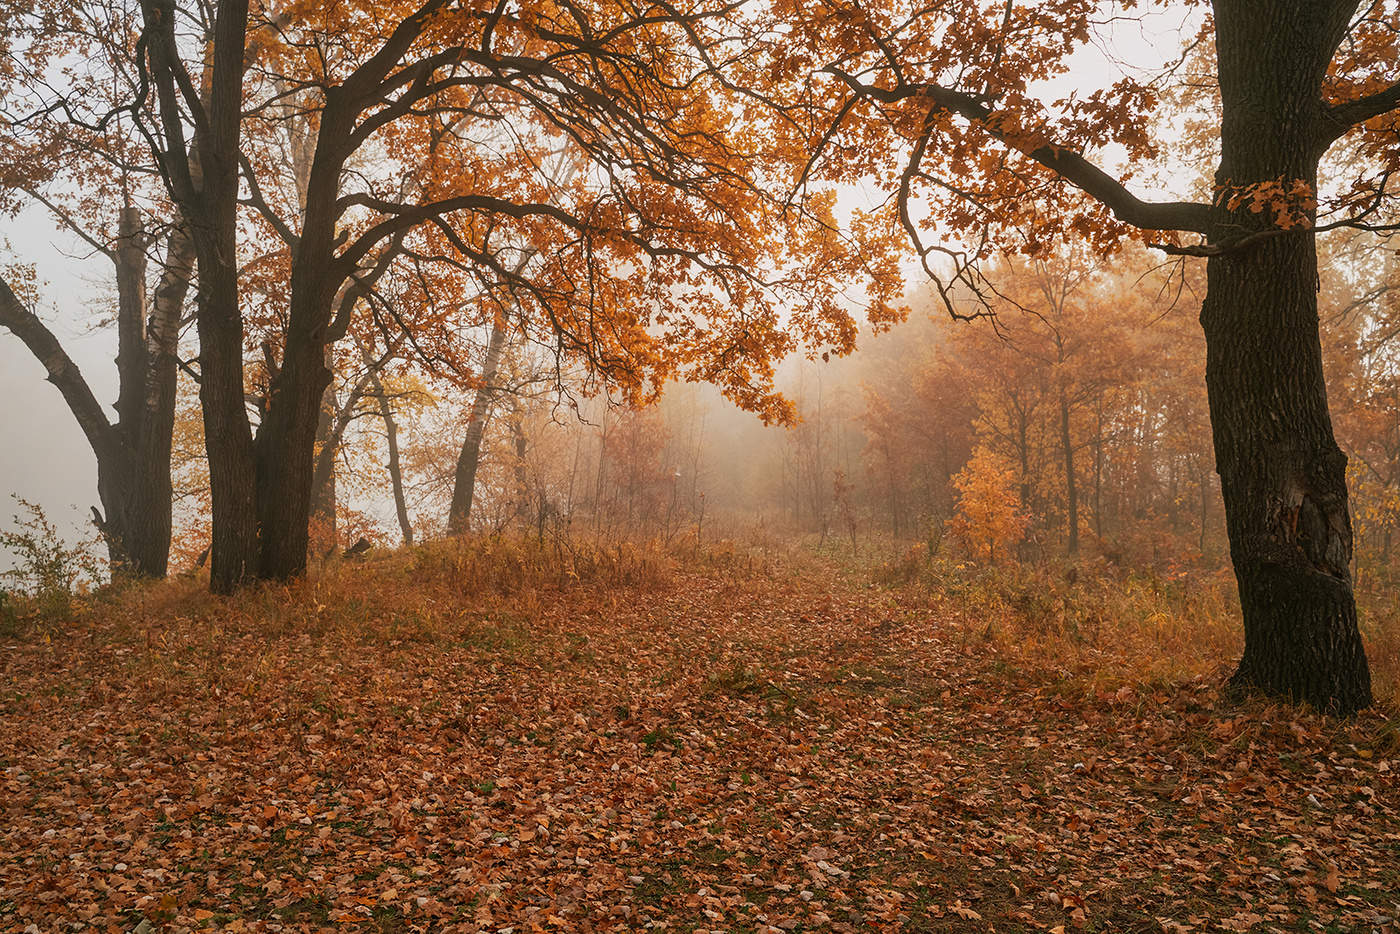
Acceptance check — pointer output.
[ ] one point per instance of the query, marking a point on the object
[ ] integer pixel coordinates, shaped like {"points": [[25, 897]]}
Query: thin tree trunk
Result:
{"points": [[464, 483], [323, 498], [391, 435], [522, 486], [148, 525], [1282, 474], [573, 471], [1098, 473], [1205, 506], [1071, 487]]}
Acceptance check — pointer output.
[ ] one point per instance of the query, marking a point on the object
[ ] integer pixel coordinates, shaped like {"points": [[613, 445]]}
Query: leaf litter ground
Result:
{"points": [[722, 751]]}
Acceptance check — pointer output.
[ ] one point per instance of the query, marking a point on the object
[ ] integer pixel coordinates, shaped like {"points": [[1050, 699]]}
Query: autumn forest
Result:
{"points": [[701, 465]]}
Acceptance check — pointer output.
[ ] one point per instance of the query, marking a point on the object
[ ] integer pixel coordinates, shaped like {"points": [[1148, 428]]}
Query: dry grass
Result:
{"points": [[1110, 627], [407, 592]]}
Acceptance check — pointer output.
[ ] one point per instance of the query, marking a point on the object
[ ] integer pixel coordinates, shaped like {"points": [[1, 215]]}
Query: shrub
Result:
{"points": [[47, 570]]}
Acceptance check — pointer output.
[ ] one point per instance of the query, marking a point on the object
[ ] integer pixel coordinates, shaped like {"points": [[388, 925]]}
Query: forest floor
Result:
{"points": [[439, 742]]}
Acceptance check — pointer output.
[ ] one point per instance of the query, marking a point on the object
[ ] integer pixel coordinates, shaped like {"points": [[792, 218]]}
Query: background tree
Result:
{"points": [[72, 150], [989, 518]]}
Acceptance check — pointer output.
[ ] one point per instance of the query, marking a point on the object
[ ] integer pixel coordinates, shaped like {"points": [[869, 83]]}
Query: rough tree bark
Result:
{"points": [[1282, 474], [286, 443], [146, 523]]}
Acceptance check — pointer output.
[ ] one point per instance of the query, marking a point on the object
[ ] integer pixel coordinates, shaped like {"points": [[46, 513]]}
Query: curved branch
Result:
{"points": [[63, 372], [258, 202], [405, 216], [1072, 166]]}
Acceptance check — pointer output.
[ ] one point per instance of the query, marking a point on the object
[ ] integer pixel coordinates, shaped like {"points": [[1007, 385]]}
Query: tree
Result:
{"points": [[658, 261], [920, 409], [949, 86], [76, 154], [201, 174], [1062, 318], [464, 483], [133, 454], [384, 403], [989, 515]]}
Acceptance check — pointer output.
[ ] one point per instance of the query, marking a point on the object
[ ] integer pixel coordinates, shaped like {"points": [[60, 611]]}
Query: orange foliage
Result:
{"points": [[989, 517]]}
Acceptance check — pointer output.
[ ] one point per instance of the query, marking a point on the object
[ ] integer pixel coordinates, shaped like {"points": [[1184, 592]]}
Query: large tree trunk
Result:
{"points": [[286, 442], [464, 483], [130, 257], [227, 436], [1282, 474], [206, 187], [286, 453], [285, 447]]}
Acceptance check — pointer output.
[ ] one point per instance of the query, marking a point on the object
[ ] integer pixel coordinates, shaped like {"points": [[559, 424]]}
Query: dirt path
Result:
{"points": [[727, 752]]}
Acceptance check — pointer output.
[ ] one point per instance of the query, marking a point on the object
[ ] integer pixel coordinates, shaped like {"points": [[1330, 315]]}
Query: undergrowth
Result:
{"points": [[1110, 625]]}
